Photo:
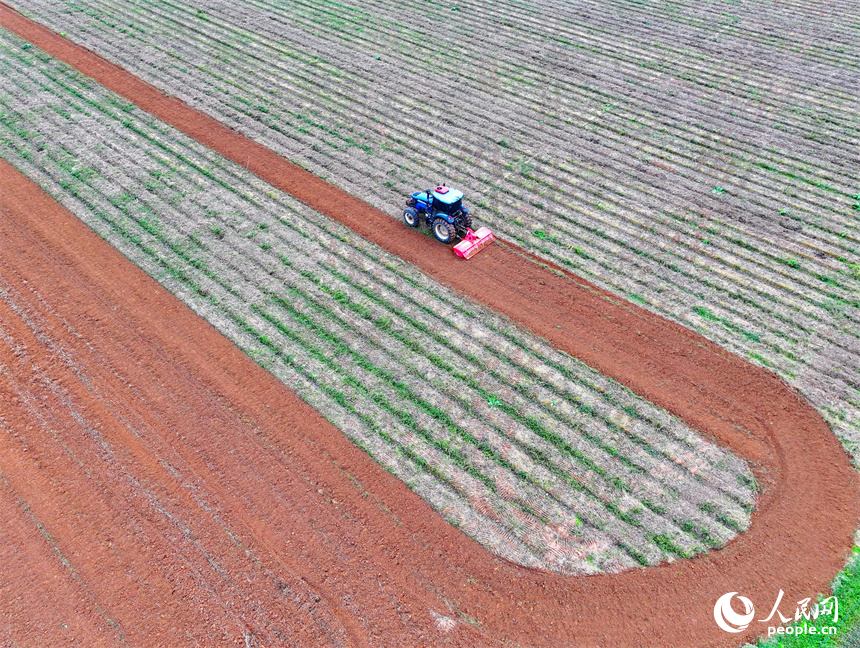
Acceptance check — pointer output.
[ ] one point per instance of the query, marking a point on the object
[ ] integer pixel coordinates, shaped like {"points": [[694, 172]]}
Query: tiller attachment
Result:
{"points": [[474, 242]]}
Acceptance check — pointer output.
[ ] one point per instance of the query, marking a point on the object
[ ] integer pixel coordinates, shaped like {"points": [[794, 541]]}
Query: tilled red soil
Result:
{"points": [[172, 492]]}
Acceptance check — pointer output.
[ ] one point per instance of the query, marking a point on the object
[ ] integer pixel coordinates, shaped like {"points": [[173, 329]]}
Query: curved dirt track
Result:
{"points": [[194, 440]]}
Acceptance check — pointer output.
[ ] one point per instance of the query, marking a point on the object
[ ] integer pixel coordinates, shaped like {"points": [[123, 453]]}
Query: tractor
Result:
{"points": [[442, 208]]}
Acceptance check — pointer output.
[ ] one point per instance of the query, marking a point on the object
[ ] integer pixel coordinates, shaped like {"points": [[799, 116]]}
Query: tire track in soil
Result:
{"points": [[162, 500], [49, 602], [801, 531], [76, 438]]}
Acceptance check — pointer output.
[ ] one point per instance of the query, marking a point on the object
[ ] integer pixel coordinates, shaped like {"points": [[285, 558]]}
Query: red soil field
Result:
{"points": [[164, 490]]}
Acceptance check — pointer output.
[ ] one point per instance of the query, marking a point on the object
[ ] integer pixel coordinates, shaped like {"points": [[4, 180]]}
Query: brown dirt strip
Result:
{"points": [[194, 497], [800, 533]]}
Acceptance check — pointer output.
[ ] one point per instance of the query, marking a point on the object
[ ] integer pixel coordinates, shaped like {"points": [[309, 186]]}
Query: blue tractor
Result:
{"points": [[442, 208]]}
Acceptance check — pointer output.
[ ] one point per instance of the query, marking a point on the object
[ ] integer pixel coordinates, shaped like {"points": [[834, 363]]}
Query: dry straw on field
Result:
{"points": [[699, 161], [528, 451]]}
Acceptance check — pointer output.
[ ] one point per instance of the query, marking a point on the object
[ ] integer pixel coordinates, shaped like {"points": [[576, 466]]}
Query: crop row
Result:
{"points": [[569, 138], [223, 55], [530, 452]]}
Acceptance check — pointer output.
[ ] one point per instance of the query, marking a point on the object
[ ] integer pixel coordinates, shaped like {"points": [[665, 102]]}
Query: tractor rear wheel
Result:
{"points": [[443, 230], [410, 216], [467, 220]]}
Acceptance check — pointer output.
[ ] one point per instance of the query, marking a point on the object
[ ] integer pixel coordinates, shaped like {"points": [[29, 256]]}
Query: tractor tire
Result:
{"points": [[467, 221], [411, 218], [443, 230]]}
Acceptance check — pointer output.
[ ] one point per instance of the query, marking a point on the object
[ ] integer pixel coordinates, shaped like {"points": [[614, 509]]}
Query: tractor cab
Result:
{"points": [[447, 201], [441, 200]]}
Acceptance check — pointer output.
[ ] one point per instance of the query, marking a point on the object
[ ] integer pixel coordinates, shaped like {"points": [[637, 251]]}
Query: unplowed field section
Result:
{"points": [[180, 494], [177, 493]]}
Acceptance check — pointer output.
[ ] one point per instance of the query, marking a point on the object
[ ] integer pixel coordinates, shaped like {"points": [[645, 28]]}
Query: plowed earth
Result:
{"points": [[161, 489]]}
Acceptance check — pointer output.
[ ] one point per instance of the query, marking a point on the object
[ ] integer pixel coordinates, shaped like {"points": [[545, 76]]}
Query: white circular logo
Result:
{"points": [[727, 618]]}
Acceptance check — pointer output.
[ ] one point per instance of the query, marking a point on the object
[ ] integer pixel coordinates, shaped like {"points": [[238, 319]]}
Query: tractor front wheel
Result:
{"points": [[443, 230], [410, 217]]}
